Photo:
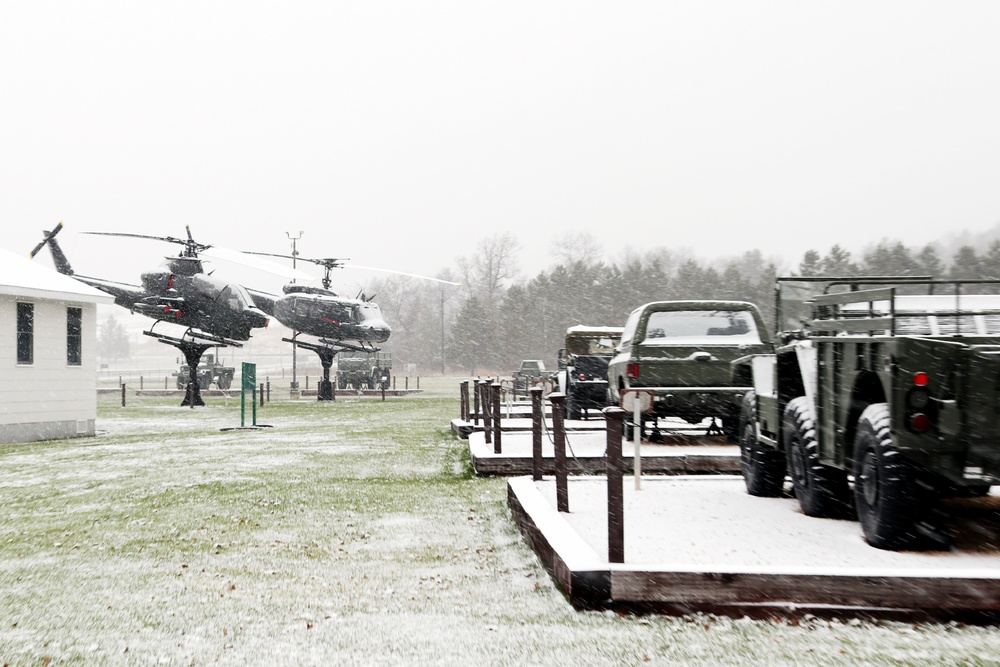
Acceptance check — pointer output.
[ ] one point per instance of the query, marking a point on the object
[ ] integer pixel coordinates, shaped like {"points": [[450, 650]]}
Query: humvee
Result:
{"points": [[209, 371], [364, 370], [883, 400]]}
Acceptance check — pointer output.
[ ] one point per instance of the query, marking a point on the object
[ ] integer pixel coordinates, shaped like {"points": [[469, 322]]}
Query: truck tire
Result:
{"points": [[822, 491], [763, 467], [888, 501]]}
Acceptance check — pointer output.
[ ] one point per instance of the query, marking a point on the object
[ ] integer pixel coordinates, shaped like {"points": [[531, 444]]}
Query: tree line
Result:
{"points": [[495, 319]]}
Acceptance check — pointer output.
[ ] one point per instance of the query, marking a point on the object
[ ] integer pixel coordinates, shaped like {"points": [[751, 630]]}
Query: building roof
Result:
{"points": [[19, 276]]}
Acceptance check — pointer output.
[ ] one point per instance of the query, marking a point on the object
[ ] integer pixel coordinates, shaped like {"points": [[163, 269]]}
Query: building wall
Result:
{"points": [[47, 399]]}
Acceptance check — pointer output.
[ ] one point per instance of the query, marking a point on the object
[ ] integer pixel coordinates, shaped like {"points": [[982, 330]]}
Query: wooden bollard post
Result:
{"points": [[475, 400], [407, 385], [487, 427], [536, 433], [463, 393], [496, 416], [559, 436], [614, 467]]}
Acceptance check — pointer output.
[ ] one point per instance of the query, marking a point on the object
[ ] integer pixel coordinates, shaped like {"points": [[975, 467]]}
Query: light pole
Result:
{"points": [[295, 379]]}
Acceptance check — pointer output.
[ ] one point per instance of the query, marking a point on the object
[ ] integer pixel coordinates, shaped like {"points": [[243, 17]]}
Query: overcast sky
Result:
{"points": [[399, 134]]}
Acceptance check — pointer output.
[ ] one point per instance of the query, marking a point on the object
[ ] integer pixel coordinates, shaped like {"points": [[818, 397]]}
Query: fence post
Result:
{"points": [[559, 436], [406, 386], [496, 417], [418, 382], [261, 394], [140, 383], [487, 428], [268, 390], [123, 394], [536, 433], [614, 467]]}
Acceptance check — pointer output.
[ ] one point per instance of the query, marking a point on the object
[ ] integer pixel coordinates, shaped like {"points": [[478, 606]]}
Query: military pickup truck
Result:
{"points": [[583, 367], [680, 351], [882, 401]]}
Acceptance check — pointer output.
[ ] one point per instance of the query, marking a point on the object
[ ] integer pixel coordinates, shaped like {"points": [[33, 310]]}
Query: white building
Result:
{"points": [[48, 352]]}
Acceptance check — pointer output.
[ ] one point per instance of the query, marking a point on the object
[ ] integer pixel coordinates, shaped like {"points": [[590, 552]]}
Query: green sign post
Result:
{"points": [[249, 384]]}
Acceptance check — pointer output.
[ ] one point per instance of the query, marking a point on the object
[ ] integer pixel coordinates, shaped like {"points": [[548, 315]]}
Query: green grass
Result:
{"points": [[350, 531]]}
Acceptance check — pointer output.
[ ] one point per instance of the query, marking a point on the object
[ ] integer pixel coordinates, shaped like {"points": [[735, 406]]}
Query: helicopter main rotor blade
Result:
{"points": [[331, 262], [239, 257], [48, 237], [168, 239], [401, 273]]}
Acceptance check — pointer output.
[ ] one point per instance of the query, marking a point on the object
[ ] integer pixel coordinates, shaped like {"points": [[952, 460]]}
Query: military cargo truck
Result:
{"points": [[530, 373], [884, 401], [681, 352], [583, 367], [209, 371], [364, 370]]}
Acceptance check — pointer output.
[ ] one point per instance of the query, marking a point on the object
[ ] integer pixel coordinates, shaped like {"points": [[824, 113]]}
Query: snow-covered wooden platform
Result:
{"points": [[585, 454], [702, 543]]}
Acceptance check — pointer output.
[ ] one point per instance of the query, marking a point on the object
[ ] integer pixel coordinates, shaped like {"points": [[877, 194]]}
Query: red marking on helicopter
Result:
{"points": [[327, 319]]}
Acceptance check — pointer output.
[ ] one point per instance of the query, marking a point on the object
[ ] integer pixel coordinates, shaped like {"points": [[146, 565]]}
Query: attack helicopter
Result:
{"points": [[340, 323], [215, 312]]}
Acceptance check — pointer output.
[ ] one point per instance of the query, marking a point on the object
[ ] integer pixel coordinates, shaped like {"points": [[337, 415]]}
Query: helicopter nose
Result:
{"points": [[379, 331]]}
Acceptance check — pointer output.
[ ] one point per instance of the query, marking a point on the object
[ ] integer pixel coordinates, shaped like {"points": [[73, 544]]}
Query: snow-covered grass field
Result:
{"points": [[352, 533]]}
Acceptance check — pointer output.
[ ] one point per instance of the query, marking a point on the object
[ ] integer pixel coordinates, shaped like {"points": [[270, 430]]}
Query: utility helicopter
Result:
{"points": [[340, 323], [214, 311]]}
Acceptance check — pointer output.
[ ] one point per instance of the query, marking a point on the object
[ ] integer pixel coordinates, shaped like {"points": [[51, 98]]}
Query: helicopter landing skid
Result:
{"points": [[192, 351]]}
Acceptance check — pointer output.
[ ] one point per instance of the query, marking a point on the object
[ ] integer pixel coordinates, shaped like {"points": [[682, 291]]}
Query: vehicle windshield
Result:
{"points": [[702, 327]]}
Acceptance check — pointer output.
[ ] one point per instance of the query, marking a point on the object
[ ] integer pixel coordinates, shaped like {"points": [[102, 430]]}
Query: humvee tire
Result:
{"points": [[887, 499], [763, 468], [822, 491]]}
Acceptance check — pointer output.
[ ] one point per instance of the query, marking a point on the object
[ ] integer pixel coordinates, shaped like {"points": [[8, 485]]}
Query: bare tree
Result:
{"points": [[578, 247], [492, 266]]}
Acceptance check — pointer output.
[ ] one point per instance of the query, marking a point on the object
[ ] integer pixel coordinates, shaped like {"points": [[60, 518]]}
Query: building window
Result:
{"points": [[74, 336], [25, 333]]}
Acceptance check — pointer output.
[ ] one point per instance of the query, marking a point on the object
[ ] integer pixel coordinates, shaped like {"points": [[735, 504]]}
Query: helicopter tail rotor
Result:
{"points": [[62, 264]]}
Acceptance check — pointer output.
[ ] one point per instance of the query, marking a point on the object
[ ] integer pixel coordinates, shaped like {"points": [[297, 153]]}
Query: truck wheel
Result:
{"points": [[822, 491], [888, 501], [763, 467]]}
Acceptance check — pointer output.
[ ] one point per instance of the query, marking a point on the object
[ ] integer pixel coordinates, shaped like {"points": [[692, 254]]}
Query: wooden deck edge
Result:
{"points": [[725, 589], [577, 570]]}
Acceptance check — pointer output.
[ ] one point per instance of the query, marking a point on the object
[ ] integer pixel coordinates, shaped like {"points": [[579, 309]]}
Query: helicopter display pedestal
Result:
{"points": [[192, 352], [324, 389]]}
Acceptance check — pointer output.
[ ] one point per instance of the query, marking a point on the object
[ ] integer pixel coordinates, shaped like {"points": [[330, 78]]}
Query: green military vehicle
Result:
{"points": [[887, 385], [209, 372], [364, 370], [530, 373], [680, 351], [583, 367]]}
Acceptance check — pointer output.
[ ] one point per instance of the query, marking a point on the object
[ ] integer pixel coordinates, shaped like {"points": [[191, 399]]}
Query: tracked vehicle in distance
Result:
{"points": [[881, 397]]}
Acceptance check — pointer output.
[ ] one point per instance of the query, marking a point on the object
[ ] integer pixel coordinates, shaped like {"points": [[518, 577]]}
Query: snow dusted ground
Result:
{"points": [[351, 533]]}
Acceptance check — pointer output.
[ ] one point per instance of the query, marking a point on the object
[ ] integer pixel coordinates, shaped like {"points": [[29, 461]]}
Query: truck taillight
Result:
{"points": [[920, 422], [918, 404], [632, 370], [583, 377]]}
